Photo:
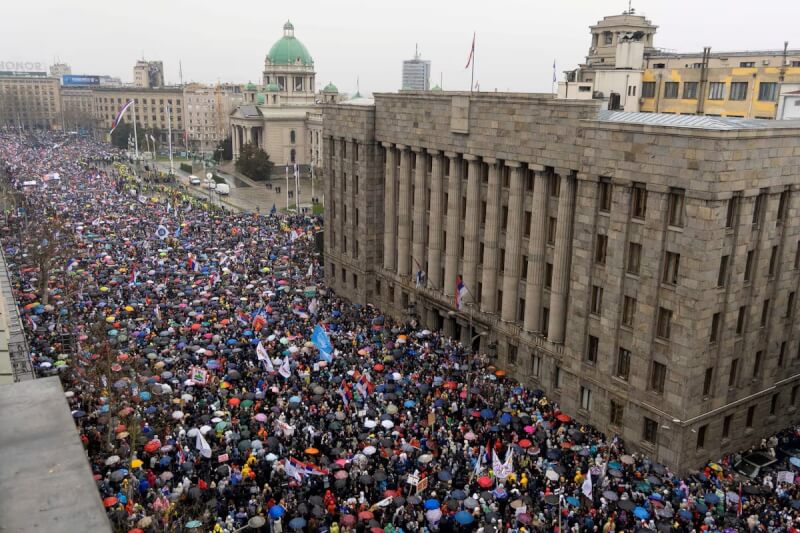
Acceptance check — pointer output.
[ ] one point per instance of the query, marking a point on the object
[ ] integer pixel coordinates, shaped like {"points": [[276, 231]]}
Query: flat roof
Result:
{"points": [[46, 484], [694, 121]]}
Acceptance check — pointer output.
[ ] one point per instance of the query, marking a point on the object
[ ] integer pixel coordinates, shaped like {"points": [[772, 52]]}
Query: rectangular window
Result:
{"points": [[592, 347], [597, 300], [483, 213], [747, 64], [748, 266], [648, 89], [671, 89], [790, 305], [504, 217], [707, 381], [628, 310], [554, 185], [783, 204], [527, 224], [512, 354], [757, 362], [558, 378], [675, 207], [623, 364], [726, 426], [671, 266], [690, 90], [501, 264], [768, 91], [650, 431], [551, 230], [730, 215], [797, 256], [701, 436], [733, 374], [722, 275], [536, 365], [751, 414], [738, 90], [764, 312], [773, 404], [794, 393], [716, 90], [664, 323], [604, 195], [757, 208], [601, 247], [773, 260], [639, 201], [586, 398], [714, 336], [658, 376], [634, 257], [548, 275], [545, 319], [740, 320], [781, 354], [616, 413]]}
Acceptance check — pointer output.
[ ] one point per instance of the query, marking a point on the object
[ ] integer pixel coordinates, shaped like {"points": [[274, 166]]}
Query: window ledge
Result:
{"points": [[678, 229]]}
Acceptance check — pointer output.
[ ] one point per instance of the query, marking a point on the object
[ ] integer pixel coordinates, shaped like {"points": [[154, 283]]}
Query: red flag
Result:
{"points": [[471, 52]]}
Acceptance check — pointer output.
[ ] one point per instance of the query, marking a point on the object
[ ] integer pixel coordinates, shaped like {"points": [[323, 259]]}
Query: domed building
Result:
{"points": [[282, 115]]}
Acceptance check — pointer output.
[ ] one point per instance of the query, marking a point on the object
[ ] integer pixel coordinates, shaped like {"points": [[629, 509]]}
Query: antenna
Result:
{"points": [[180, 71], [416, 50]]}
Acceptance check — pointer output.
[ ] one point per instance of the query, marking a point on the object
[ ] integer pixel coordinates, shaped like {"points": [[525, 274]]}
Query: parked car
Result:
{"points": [[754, 464], [194, 180], [223, 188]]}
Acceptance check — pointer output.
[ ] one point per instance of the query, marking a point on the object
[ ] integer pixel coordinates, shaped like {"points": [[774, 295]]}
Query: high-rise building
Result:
{"points": [[641, 269], [148, 74], [58, 70], [29, 100], [416, 73]]}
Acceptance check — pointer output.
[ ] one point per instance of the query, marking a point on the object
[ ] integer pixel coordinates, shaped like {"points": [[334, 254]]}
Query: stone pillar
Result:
{"points": [[453, 225], [435, 225], [561, 262], [390, 209], [513, 243], [491, 234], [404, 214], [472, 226], [418, 236], [234, 142], [536, 255]]}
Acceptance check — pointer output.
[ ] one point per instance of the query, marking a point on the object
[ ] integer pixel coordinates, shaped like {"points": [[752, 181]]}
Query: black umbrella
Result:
{"points": [[627, 505]]}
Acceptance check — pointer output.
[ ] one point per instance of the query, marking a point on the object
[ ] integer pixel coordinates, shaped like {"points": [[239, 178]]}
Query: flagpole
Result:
{"points": [[135, 136], [287, 187], [472, 77], [297, 187], [169, 128]]}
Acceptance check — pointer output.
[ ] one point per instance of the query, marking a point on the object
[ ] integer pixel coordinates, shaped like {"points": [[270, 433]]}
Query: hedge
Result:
{"points": [[186, 167]]}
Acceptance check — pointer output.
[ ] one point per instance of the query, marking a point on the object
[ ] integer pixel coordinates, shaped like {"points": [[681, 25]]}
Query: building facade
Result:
{"points": [[416, 74], [624, 69], [207, 113], [59, 70], [282, 115], [151, 110], [29, 100], [77, 104], [148, 74], [642, 269]]}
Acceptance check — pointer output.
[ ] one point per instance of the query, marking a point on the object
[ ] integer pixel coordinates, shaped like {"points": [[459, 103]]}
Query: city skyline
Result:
{"points": [[343, 45]]}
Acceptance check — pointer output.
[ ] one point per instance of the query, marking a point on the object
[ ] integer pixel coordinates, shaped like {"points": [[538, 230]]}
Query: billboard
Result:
{"points": [[73, 79]]}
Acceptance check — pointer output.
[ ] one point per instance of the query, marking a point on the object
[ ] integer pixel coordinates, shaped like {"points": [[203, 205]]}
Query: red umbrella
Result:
{"points": [[484, 482], [152, 446], [348, 520], [234, 402], [136, 530], [563, 418], [378, 367], [376, 530], [525, 443], [111, 500], [365, 515], [450, 385], [196, 326]]}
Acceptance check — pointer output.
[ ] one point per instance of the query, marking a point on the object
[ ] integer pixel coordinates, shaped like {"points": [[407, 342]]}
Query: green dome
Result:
{"points": [[330, 88], [261, 98], [288, 50], [250, 87], [273, 88]]}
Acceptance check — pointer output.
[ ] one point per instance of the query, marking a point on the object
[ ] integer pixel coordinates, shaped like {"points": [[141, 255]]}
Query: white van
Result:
{"points": [[223, 188], [194, 180]]}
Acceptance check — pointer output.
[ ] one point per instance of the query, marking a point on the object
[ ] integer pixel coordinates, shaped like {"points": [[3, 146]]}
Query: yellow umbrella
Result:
{"points": [[110, 319], [136, 463]]}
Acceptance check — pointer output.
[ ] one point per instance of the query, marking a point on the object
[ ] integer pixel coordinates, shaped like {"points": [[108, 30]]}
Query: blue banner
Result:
{"points": [[323, 343]]}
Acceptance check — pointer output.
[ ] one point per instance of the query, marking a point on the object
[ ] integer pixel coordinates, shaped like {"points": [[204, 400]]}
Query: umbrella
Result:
{"points": [[432, 503], [610, 496], [444, 475], [711, 498], [641, 513], [458, 494], [277, 511], [471, 503], [297, 523], [626, 505], [485, 482], [464, 518], [365, 515]]}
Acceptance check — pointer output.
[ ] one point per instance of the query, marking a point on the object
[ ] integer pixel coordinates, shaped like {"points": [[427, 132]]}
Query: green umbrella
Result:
{"points": [[220, 426], [246, 403]]}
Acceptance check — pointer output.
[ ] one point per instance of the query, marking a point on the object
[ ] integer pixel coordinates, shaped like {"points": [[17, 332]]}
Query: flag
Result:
{"points": [[259, 321], [504, 469], [497, 466], [273, 211], [461, 292], [419, 279], [190, 262], [587, 486], [118, 118], [177, 233], [471, 57], [285, 370], [161, 232], [202, 446], [323, 343], [554, 71], [262, 355], [310, 270], [313, 306], [344, 392], [479, 464], [292, 471], [363, 385]]}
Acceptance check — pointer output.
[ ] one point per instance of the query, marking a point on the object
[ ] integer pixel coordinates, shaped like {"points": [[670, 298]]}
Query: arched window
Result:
{"points": [[292, 137], [293, 154]]}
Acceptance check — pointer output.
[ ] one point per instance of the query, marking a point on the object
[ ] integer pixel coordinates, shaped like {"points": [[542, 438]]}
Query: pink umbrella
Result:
{"points": [[261, 417], [470, 435], [528, 429]]}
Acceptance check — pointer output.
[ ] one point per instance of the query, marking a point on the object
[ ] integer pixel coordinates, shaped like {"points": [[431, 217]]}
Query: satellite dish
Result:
{"points": [[209, 175]]}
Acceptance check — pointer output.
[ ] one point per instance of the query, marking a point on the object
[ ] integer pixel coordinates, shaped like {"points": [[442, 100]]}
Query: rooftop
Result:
{"points": [[45, 480], [694, 121]]}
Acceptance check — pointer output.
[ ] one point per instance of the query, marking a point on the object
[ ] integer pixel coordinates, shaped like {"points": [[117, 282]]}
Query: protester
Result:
{"points": [[214, 378]]}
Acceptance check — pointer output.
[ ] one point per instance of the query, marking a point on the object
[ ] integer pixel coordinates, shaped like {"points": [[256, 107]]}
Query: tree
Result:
{"points": [[254, 162], [224, 150], [124, 131]]}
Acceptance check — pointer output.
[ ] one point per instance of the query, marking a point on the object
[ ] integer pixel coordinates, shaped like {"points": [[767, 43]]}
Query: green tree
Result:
{"points": [[224, 150], [254, 162], [124, 131]]}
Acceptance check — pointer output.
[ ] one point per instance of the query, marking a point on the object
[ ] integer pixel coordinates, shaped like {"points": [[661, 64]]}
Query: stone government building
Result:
{"points": [[642, 269]]}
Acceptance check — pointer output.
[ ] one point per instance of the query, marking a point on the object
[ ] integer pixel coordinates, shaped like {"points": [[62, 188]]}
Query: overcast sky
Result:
{"points": [[517, 40]]}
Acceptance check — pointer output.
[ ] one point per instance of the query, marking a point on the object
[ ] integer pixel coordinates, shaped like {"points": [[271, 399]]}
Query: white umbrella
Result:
{"points": [[388, 424], [205, 429], [369, 424], [177, 415], [192, 432], [369, 450], [552, 475]]}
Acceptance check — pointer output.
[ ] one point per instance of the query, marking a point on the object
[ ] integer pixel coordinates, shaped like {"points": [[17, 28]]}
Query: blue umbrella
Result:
{"points": [[458, 494], [231, 342], [505, 419], [464, 518], [795, 504], [573, 501], [294, 399], [641, 513], [795, 461], [487, 413], [684, 514], [700, 507], [432, 504], [150, 409], [409, 403], [711, 498], [297, 523], [277, 511], [144, 395]]}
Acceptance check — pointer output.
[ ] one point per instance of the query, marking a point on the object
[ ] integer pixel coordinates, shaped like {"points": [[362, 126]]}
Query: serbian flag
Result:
{"points": [[118, 119], [471, 57], [461, 292]]}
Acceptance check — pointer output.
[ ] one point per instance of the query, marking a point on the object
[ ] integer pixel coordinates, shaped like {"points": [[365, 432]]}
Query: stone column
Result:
{"points": [[536, 255], [453, 226], [404, 214], [513, 243], [561, 262], [390, 208], [472, 225], [234, 142], [491, 234], [435, 225], [418, 237]]}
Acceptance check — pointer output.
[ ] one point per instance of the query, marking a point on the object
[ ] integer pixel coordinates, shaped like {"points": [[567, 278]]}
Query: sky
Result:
{"points": [[363, 42]]}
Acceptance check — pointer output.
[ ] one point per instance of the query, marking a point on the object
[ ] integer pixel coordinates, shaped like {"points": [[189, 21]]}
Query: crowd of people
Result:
{"points": [[217, 383]]}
